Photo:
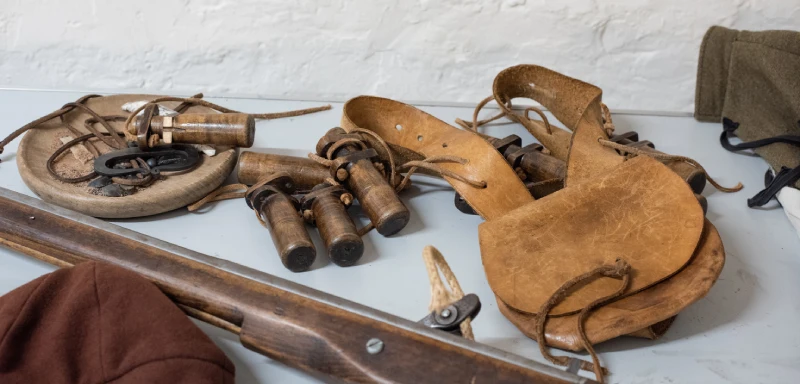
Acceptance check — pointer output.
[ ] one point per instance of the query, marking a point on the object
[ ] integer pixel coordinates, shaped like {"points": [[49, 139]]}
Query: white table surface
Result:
{"points": [[744, 331]]}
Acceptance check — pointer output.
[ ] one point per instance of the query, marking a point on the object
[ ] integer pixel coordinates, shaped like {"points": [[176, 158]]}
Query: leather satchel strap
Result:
{"points": [[416, 135], [575, 103]]}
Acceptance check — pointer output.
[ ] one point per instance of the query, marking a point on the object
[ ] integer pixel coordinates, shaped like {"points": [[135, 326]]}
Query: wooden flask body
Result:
{"points": [[539, 166], [224, 129], [305, 172], [377, 198], [337, 230], [288, 232]]}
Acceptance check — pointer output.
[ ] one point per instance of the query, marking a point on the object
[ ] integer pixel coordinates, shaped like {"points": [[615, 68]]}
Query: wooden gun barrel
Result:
{"points": [[298, 326]]}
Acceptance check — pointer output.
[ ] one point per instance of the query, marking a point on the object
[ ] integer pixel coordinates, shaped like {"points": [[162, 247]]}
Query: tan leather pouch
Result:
{"points": [[611, 208], [635, 210], [631, 209], [647, 314]]}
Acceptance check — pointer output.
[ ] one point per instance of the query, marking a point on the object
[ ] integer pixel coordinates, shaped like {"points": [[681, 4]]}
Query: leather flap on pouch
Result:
{"points": [[405, 126], [640, 211], [636, 313]]}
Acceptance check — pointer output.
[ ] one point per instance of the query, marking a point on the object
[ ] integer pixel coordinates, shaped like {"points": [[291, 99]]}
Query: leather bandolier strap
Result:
{"points": [[420, 135], [613, 208]]}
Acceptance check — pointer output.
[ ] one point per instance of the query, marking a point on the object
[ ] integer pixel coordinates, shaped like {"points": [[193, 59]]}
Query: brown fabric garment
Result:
{"points": [[752, 78], [97, 323]]}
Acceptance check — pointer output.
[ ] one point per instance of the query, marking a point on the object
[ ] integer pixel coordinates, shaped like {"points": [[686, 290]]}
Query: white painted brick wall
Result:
{"points": [[643, 53]]}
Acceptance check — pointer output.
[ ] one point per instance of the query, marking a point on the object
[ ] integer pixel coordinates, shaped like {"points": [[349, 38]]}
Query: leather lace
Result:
{"points": [[69, 107], [219, 108], [620, 270], [506, 111], [430, 164], [633, 151], [115, 139], [233, 191]]}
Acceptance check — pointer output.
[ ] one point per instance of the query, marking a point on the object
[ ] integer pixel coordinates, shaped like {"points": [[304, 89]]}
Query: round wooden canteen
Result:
{"points": [[171, 192]]}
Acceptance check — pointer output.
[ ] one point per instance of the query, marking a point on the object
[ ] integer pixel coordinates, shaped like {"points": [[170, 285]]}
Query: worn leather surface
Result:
{"points": [[628, 315], [574, 103], [409, 129], [641, 212], [565, 97], [637, 210], [610, 208]]}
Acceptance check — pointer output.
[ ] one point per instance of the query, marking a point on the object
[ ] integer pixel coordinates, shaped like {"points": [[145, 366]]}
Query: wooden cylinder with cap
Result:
{"points": [[377, 198], [287, 228], [305, 172], [336, 228], [224, 129], [289, 233], [539, 166]]}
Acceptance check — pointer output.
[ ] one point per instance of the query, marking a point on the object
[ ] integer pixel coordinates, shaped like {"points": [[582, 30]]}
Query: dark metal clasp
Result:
{"points": [[165, 158], [450, 318]]}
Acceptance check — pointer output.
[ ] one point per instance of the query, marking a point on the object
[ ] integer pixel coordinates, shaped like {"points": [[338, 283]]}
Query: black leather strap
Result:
{"points": [[786, 176], [729, 127], [774, 184]]}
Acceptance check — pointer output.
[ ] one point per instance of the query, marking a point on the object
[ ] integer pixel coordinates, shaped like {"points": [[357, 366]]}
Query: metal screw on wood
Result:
{"points": [[374, 346]]}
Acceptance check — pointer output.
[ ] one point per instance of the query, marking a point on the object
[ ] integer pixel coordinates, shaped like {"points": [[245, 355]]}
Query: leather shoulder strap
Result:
{"points": [[409, 129], [574, 103], [565, 97]]}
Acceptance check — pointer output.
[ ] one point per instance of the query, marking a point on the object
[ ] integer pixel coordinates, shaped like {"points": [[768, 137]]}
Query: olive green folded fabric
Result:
{"points": [[753, 79]]}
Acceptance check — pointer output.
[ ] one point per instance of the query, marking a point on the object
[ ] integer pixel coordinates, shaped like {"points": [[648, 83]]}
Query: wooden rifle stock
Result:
{"points": [[290, 323]]}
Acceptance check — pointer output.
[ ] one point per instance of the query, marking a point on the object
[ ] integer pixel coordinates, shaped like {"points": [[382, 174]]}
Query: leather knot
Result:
{"points": [[620, 269]]}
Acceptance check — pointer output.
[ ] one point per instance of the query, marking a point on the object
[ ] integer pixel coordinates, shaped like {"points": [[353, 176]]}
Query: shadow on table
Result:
{"points": [[8, 157], [163, 216]]}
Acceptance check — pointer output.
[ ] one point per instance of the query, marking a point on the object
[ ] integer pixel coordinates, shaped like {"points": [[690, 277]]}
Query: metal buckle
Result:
{"points": [[167, 158]]}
